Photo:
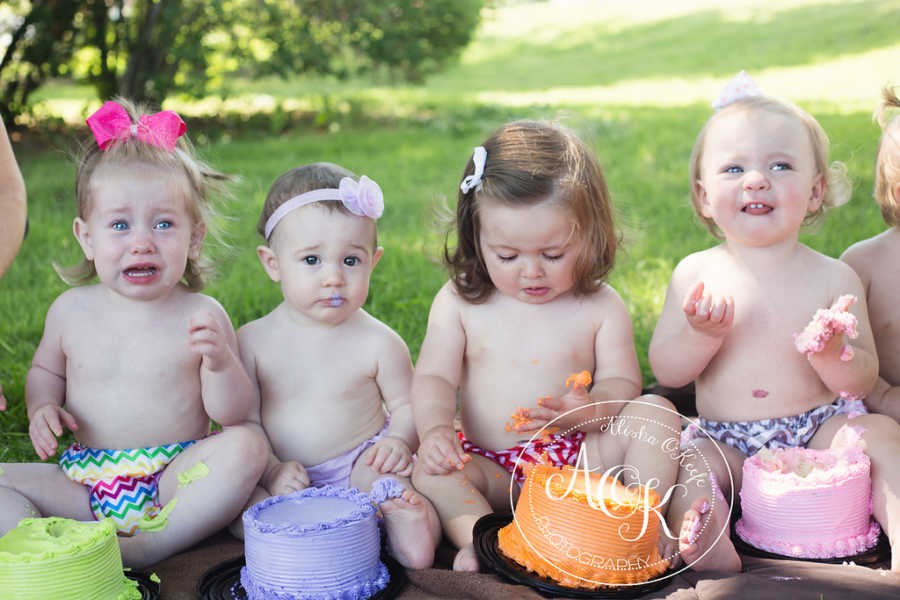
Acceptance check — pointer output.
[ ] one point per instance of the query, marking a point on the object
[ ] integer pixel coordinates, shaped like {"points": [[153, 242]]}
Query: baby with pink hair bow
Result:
{"points": [[133, 360], [333, 381]]}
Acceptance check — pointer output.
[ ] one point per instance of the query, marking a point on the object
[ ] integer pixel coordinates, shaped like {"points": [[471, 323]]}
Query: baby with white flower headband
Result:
{"points": [[328, 374]]}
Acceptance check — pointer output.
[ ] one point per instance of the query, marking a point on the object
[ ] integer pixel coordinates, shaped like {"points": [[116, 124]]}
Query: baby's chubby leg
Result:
{"points": [[411, 523], [461, 497], [204, 501], [881, 435], [39, 489], [699, 513]]}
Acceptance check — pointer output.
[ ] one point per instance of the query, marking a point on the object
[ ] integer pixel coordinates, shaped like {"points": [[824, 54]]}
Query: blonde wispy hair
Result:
{"points": [[201, 184]]}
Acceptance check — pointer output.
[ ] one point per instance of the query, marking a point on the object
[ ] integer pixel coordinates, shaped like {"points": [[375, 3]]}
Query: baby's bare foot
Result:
{"points": [[701, 545], [466, 560], [410, 530]]}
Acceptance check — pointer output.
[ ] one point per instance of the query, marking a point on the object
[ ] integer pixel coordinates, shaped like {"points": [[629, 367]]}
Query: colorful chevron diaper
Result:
{"points": [[123, 483]]}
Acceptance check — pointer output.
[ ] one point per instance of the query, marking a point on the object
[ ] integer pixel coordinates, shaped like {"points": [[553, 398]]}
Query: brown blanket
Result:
{"points": [[761, 578]]}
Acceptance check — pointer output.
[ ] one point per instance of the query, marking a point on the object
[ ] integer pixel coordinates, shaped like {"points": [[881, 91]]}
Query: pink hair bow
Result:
{"points": [[111, 123], [741, 86], [363, 198]]}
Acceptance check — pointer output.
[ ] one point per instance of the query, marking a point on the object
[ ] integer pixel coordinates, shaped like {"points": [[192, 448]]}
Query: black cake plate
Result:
{"points": [[881, 551], [149, 589], [223, 581], [490, 558]]}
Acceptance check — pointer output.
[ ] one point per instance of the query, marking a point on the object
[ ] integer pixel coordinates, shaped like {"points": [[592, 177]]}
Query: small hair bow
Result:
{"points": [[741, 86], [362, 198], [111, 123], [479, 157]]}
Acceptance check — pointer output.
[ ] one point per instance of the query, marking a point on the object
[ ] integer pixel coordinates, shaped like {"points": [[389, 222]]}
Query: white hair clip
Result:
{"points": [[741, 86], [479, 156]]}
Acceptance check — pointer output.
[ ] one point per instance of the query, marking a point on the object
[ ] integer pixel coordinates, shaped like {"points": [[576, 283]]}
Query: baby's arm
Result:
{"points": [[884, 399], [844, 366], [279, 478], [12, 203], [226, 389], [45, 385], [435, 381], [691, 328], [393, 452]]}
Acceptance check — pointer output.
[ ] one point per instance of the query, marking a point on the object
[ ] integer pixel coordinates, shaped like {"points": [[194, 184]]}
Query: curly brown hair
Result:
{"points": [[529, 162]]}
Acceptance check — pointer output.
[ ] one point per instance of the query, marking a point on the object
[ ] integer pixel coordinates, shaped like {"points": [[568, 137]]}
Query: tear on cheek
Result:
{"points": [[760, 393]]}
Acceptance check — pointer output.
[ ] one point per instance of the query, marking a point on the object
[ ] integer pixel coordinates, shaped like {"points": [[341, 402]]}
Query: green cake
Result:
{"points": [[61, 559]]}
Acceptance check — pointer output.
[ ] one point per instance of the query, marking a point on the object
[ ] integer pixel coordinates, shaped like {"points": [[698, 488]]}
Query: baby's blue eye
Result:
{"points": [[782, 166], [120, 226], [734, 169], [164, 225], [311, 259], [351, 261]]}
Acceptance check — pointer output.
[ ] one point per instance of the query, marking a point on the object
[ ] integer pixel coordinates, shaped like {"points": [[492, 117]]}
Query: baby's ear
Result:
{"points": [[700, 193], [197, 236], [269, 262], [83, 235], [817, 194], [379, 252]]}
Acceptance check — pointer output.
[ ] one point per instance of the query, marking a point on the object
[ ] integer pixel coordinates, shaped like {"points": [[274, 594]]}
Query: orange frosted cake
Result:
{"points": [[581, 540]]}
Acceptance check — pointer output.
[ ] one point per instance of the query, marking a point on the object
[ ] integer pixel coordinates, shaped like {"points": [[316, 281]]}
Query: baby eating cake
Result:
{"points": [[60, 559], [317, 543], [583, 530], [808, 503]]}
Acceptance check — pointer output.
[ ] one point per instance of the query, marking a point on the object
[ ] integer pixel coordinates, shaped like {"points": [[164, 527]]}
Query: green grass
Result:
{"points": [[636, 89]]}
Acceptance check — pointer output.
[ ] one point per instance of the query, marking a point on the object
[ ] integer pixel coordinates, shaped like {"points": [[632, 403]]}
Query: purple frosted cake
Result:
{"points": [[316, 543]]}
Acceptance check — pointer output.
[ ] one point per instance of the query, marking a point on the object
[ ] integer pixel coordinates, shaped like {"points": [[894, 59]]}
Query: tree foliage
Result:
{"points": [[148, 49]]}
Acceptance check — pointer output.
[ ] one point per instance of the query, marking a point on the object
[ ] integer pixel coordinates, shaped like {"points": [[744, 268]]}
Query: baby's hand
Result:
{"points": [[708, 315], [551, 407], [824, 332], [440, 451], [286, 477], [46, 424], [207, 340], [390, 455]]}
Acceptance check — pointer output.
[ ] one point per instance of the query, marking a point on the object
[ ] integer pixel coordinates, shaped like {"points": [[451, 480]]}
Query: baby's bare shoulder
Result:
{"points": [[866, 254]]}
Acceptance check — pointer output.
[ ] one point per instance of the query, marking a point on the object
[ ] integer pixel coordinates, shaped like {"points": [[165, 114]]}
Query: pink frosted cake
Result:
{"points": [[808, 503], [316, 543]]}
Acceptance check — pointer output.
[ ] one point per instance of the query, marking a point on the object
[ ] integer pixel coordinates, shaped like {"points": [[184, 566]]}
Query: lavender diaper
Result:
{"points": [[336, 471]]}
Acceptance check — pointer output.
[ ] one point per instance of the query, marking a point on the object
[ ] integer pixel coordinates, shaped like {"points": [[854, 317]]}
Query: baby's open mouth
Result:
{"points": [[140, 271], [757, 208]]}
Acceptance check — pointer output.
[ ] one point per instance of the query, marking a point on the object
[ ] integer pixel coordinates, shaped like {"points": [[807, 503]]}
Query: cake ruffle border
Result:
{"points": [[357, 592], [842, 547], [362, 501], [579, 576]]}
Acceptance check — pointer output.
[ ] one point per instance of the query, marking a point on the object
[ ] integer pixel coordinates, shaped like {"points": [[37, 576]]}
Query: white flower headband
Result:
{"points": [[479, 156], [741, 86], [362, 198]]}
